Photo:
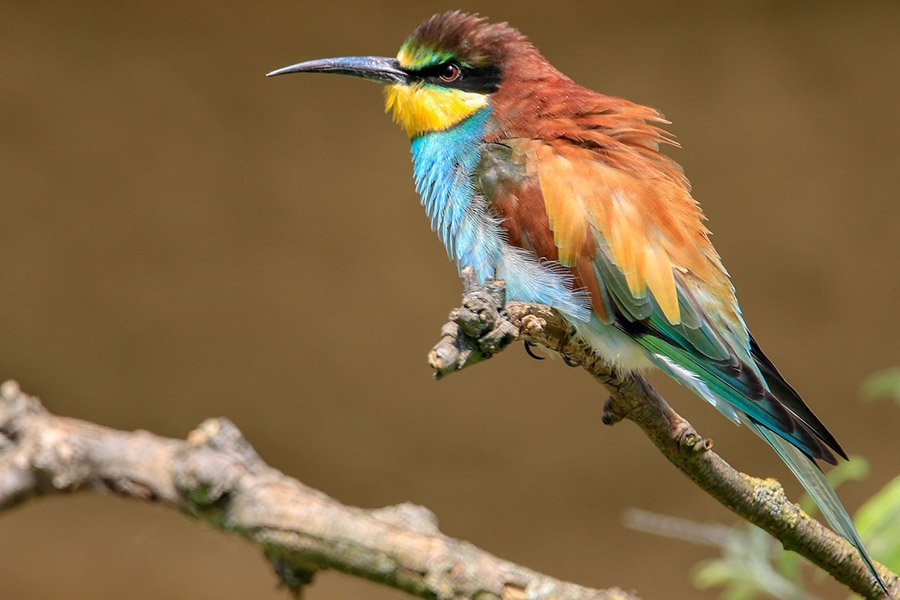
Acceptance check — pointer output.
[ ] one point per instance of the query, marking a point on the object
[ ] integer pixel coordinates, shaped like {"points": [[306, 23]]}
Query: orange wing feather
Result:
{"points": [[652, 227], [600, 174]]}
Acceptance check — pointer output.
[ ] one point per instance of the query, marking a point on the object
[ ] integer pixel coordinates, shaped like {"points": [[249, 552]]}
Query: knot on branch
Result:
{"points": [[47, 452], [612, 411], [15, 405], [209, 467], [221, 434], [291, 576], [476, 330], [691, 442], [408, 516], [621, 404]]}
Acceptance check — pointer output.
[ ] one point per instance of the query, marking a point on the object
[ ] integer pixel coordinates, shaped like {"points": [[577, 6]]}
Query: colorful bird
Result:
{"points": [[563, 193]]}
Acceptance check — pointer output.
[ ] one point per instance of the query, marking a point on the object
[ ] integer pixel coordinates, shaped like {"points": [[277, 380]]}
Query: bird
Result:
{"points": [[565, 195]]}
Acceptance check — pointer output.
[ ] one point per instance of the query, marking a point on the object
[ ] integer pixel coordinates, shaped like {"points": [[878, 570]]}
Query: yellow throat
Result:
{"points": [[421, 108]]}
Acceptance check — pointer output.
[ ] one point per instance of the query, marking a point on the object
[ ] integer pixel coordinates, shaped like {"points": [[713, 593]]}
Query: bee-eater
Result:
{"points": [[563, 193]]}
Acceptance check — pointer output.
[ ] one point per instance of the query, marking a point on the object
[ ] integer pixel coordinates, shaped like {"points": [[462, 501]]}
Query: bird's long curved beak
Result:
{"points": [[374, 68]]}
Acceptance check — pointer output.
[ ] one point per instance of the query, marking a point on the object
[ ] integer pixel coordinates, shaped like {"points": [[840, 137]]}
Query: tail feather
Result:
{"points": [[797, 453], [789, 398], [817, 486], [718, 384]]}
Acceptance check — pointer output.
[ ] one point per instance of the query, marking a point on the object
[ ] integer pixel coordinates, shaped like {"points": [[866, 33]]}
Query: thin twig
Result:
{"points": [[485, 324]]}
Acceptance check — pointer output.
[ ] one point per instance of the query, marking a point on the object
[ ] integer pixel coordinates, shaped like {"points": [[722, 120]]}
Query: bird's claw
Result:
{"points": [[569, 361], [529, 350]]}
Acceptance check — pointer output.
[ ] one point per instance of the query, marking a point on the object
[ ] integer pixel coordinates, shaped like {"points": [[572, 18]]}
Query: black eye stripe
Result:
{"points": [[482, 80], [433, 70]]}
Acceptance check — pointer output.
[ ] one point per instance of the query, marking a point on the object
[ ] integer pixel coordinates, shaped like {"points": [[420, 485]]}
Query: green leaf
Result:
{"points": [[741, 591], [878, 522], [885, 383], [788, 564], [715, 572]]}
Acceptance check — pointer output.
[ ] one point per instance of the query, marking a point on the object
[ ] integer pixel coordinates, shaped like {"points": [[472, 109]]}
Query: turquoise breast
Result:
{"points": [[444, 163]]}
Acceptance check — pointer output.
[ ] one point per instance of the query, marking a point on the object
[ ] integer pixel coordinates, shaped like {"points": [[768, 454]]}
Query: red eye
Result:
{"points": [[450, 73]]}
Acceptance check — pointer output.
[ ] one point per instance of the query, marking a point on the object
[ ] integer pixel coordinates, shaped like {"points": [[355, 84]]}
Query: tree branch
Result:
{"points": [[216, 476], [485, 324]]}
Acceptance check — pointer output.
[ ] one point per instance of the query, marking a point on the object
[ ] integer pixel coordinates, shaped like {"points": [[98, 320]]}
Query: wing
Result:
{"points": [[635, 241]]}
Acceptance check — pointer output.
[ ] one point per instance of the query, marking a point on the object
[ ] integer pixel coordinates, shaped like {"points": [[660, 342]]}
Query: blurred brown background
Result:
{"points": [[183, 238]]}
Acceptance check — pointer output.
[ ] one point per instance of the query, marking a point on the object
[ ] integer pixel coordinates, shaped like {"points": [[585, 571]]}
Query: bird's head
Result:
{"points": [[448, 69]]}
